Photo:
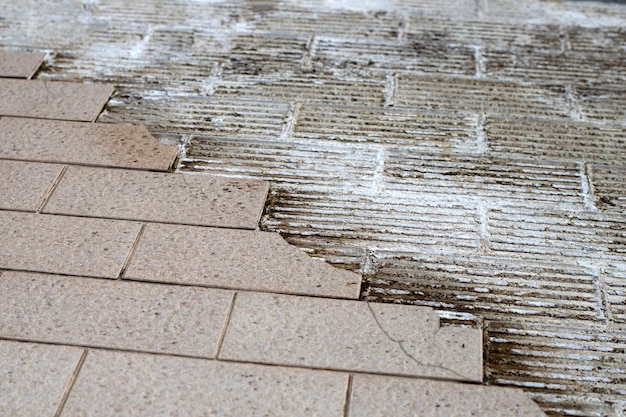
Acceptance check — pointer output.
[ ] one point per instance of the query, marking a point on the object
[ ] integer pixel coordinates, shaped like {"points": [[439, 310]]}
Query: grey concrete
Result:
{"points": [[19, 64], [522, 226], [53, 100], [350, 336], [120, 146], [113, 314], [115, 383], [234, 259], [25, 185], [34, 378], [159, 197], [65, 245]]}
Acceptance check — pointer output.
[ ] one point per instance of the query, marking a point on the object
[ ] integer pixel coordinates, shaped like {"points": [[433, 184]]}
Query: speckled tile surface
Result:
{"points": [[234, 259], [19, 64], [121, 146], [159, 197], [113, 314], [24, 185]]}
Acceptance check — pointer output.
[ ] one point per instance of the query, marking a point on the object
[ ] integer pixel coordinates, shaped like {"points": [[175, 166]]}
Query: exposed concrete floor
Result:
{"points": [[466, 156]]}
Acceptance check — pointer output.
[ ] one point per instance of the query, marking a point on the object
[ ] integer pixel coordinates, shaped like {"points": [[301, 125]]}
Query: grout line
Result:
{"points": [[70, 383], [290, 125], [346, 407], [226, 323], [247, 362], [52, 189], [131, 252], [390, 90]]}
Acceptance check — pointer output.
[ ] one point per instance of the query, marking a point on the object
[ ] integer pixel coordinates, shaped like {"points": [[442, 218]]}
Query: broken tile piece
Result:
{"points": [[65, 245], [238, 259], [350, 336], [34, 377], [19, 64], [151, 385], [52, 99], [113, 314], [159, 197], [120, 146], [371, 396], [23, 185]]}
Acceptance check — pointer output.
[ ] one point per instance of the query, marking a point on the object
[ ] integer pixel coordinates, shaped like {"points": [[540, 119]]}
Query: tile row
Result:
{"points": [[67, 381], [131, 194], [273, 329], [189, 255]]}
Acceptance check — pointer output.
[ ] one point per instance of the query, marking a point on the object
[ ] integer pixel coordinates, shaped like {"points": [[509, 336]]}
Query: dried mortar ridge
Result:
{"points": [[537, 252]]}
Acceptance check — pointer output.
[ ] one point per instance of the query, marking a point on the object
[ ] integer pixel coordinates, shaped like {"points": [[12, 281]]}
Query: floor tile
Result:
{"points": [[65, 245], [159, 197], [19, 64], [121, 146], [34, 377], [351, 336], [23, 185], [239, 259], [371, 397], [52, 99], [113, 314], [151, 385]]}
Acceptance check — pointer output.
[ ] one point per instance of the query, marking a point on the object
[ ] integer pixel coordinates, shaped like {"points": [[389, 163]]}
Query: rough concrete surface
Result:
{"points": [[465, 155], [120, 146]]}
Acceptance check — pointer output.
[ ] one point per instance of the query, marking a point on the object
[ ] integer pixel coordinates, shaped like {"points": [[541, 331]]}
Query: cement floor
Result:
{"points": [[466, 156]]}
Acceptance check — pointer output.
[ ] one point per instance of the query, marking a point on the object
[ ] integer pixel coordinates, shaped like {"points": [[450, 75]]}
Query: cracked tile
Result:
{"points": [[350, 336]]}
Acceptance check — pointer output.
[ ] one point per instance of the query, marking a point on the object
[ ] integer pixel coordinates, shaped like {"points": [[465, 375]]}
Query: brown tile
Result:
{"points": [[23, 185], [121, 146], [156, 385], [238, 259], [33, 377], [159, 197], [113, 314], [350, 335], [65, 245], [371, 397], [19, 64], [52, 99]]}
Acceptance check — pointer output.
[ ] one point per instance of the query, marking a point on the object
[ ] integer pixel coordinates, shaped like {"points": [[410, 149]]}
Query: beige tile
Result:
{"points": [[19, 64], [351, 336], [378, 396], [65, 245], [34, 377], [140, 385], [52, 99], [159, 197], [239, 259], [122, 146], [23, 185], [113, 314]]}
